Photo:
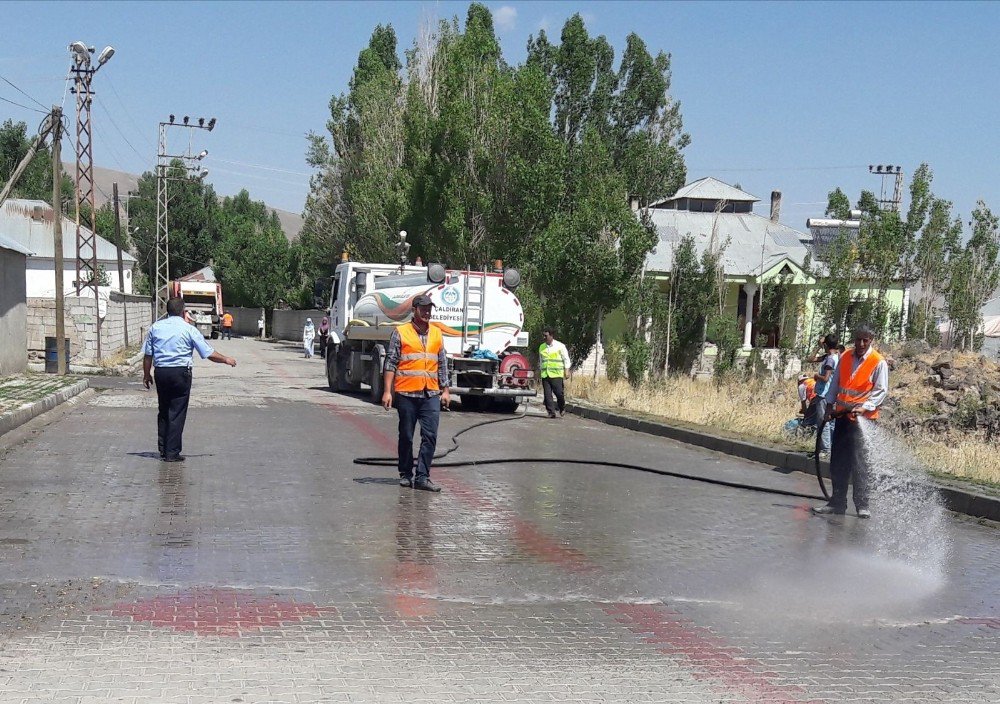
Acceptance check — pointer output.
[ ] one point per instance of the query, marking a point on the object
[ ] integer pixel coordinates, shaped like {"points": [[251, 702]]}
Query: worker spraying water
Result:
{"points": [[859, 386]]}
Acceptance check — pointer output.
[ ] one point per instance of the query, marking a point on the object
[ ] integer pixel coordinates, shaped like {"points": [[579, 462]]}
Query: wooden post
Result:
{"points": [[57, 239], [121, 267]]}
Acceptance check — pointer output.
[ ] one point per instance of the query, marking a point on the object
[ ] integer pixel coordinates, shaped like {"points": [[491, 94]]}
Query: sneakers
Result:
{"points": [[864, 513], [828, 510], [562, 413], [405, 482], [425, 484]]}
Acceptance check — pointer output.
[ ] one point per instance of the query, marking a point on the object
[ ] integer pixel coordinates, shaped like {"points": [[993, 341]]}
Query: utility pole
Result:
{"points": [[86, 208], [164, 161], [57, 239], [121, 267], [895, 203]]}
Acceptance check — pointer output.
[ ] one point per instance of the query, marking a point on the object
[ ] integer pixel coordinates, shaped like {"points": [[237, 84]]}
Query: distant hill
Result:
{"points": [[291, 223]]}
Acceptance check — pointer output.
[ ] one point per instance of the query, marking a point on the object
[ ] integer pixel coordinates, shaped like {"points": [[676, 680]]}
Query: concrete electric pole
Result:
{"points": [[191, 163]]}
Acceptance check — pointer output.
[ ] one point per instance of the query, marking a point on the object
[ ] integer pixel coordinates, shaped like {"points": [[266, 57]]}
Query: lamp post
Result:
{"points": [[83, 70]]}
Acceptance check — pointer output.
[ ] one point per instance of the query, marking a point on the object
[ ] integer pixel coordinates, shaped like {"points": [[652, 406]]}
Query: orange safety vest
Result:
{"points": [[857, 387], [227, 321], [418, 365], [810, 385]]}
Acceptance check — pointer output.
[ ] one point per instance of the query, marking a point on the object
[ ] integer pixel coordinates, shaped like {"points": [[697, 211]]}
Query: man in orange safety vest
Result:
{"points": [[416, 369], [858, 387]]}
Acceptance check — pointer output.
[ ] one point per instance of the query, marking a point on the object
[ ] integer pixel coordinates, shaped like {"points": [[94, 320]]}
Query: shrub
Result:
{"points": [[614, 360]]}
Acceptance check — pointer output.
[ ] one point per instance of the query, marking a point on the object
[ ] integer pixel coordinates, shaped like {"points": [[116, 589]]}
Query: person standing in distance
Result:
{"points": [[555, 364], [170, 344], [416, 369], [227, 326], [858, 386]]}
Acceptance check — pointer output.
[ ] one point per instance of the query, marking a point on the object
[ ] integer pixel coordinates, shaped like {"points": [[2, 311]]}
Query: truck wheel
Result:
{"points": [[375, 375], [506, 405], [471, 403], [331, 370]]}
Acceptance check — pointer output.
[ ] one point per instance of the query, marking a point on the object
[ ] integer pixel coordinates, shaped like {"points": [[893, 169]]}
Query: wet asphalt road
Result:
{"points": [[270, 568]]}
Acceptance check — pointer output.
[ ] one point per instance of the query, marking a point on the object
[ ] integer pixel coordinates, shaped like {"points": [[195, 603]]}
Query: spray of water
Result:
{"points": [[909, 518]]}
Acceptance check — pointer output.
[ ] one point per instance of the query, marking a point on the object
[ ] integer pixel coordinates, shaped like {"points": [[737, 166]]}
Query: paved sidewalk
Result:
{"points": [[269, 568], [24, 396]]}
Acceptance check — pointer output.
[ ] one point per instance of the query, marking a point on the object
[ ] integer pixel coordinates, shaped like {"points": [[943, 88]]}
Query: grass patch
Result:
{"points": [[757, 411]]}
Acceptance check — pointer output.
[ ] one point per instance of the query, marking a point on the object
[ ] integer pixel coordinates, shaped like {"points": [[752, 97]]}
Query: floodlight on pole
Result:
{"points": [[105, 56], [204, 153]]}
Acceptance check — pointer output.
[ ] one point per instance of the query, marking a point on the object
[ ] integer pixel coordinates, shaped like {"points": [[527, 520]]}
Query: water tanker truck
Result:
{"points": [[477, 312]]}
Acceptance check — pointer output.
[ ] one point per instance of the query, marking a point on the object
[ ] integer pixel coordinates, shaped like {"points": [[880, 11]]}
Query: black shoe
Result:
{"points": [[177, 458], [562, 413], [405, 482], [828, 510], [552, 415], [425, 484]]}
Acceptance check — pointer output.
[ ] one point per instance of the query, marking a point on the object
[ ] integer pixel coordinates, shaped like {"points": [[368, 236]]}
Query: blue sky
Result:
{"points": [[799, 97]]}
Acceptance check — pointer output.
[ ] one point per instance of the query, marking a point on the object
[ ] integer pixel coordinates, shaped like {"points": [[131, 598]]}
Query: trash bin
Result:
{"points": [[51, 360]]}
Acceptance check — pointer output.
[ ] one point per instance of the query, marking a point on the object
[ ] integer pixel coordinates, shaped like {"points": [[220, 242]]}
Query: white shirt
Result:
{"points": [[561, 349]]}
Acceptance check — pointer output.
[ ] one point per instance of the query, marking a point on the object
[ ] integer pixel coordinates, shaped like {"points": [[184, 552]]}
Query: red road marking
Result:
{"points": [[221, 612], [708, 655]]}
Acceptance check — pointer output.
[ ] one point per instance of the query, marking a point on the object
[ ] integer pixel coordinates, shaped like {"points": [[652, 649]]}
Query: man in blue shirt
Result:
{"points": [[169, 347]]}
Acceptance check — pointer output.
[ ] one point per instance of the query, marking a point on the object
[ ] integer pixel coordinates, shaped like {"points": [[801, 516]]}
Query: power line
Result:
{"points": [[129, 114], [784, 168], [117, 128], [22, 92], [6, 100], [262, 167]]}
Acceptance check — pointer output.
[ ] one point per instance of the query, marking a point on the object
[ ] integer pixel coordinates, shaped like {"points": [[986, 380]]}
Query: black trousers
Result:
{"points": [[173, 390], [554, 387], [847, 458]]}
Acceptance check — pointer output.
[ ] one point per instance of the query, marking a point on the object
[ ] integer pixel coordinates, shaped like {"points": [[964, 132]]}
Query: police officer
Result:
{"points": [[858, 387], [169, 347], [416, 369]]}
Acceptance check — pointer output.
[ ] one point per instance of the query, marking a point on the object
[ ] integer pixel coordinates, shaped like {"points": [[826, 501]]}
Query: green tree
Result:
{"points": [[36, 181], [253, 253], [191, 222], [838, 205], [975, 275], [935, 250]]}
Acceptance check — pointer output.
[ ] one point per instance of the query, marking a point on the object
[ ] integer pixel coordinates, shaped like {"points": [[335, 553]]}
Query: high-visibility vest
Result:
{"points": [[855, 388], [418, 364], [810, 385], [552, 362], [227, 321]]}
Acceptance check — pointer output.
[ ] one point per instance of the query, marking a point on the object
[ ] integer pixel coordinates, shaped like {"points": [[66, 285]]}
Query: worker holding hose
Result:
{"points": [[858, 387]]}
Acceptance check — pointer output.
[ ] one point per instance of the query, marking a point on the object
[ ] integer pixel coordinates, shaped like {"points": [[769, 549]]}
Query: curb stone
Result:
{"points": [[9, 421], [958, 499]]}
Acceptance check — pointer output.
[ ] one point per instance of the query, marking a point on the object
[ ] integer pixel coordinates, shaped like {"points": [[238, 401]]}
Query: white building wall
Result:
{"points": [[40, 276]]}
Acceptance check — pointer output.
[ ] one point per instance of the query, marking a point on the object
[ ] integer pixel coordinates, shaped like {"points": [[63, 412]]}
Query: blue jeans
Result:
{"points": [[426, 411]]}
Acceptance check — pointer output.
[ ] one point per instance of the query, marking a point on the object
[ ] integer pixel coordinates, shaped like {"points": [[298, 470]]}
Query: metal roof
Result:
{"points": [[7, 243], [29, 223], [749, 240], [709, 188]]}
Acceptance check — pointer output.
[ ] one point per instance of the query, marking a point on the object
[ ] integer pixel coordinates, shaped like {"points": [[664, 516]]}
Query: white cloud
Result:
{"points": [[505, 18]]}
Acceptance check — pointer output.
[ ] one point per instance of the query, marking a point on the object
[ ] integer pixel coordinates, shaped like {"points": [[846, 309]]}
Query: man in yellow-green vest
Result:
{"points": [[555, 366]]}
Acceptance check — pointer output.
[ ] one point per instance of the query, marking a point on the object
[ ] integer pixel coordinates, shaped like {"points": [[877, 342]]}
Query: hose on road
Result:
{"points": [[392, 462]]}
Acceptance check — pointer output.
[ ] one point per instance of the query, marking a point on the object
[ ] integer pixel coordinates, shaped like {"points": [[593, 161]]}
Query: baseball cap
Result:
{"points": [[423, 300]]}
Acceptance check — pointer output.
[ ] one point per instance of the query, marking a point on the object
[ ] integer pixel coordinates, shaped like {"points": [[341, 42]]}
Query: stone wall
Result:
{"points": [[81, 328], [288, 324], [244, 320], [122, 307]]}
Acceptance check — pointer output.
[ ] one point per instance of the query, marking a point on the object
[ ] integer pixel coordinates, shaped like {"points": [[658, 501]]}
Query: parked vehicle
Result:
{"points": [[203, 301], [478, 313]]}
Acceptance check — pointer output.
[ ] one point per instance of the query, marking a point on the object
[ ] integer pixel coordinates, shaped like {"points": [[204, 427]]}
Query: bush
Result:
{"points": [[636, 360], [614, 360], [724, 332]]}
